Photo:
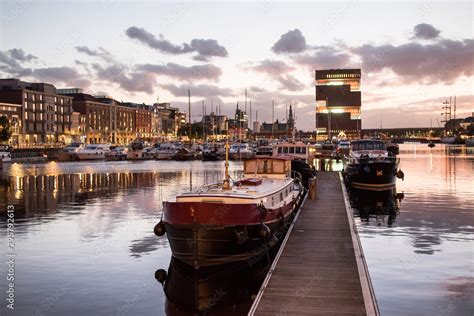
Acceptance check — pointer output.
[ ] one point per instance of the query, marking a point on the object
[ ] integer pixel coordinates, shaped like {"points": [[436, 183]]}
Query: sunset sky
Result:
{"points": [[412, 56]]}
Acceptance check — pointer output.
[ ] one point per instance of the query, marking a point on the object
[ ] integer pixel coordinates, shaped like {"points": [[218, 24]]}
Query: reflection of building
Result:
{"points": [[45, 116], [338, 102]]}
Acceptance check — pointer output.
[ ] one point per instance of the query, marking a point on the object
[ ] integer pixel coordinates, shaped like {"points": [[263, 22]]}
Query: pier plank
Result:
{"points": [[317, 271]]}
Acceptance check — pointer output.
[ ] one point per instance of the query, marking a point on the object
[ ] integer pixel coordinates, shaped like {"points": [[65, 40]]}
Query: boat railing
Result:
{"points": [[356, 160], [297, 176]]}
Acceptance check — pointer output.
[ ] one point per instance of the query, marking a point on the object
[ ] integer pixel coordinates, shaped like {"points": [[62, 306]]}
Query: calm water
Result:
{"points": [[85, 242], [419, 245]]}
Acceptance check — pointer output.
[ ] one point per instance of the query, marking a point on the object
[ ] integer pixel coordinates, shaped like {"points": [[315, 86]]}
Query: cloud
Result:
{"points": [[290, 42], [100, 53], [208, 47], [161, 44], [11, 62], [279, 71], [442, 61], [205, 48], [19, 54], [172, 70], [200, 90], [134, 81], [425, 31], [324, 57]]}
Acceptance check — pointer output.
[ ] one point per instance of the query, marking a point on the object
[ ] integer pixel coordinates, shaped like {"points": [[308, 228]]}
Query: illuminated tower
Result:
{"points": [[338, 103]]}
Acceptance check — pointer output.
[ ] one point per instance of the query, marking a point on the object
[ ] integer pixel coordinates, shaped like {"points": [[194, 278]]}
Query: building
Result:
{"points": [[45, 117], [13, 112], [338, 103], [96, 116], [171, 119], [215, 126], [143, 119], [238, 126], [278, 129]]}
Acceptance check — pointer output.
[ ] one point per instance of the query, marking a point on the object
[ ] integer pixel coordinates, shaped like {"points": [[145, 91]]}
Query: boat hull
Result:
{"points": [[206, 234], [378, 176], [89, 156]]}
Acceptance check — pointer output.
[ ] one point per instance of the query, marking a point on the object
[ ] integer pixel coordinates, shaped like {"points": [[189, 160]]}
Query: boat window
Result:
{"points": [[285, 150], [367, 145], [279, 150], [292, 150], [303, 150], [281, 196], [297, 150]]}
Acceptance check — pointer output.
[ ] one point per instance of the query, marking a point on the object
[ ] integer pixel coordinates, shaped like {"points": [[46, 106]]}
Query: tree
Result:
{"points": [[5, 129]]}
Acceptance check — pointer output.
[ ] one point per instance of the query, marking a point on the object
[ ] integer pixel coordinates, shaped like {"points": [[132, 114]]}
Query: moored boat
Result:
{"points": [[298, 150], [233, 221], [5, 153], [370, 166], [239, 151], [92, 152], [165, 151], [213, 151]]}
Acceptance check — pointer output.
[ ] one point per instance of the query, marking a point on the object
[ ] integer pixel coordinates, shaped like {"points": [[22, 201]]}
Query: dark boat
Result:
{"points": [[213, 152], [371, 166], [226, 222]]}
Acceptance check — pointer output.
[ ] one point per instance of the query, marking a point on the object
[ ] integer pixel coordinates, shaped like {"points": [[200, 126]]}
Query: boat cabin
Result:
{"points": [[368, 144], [294, 150], [267, 168]]}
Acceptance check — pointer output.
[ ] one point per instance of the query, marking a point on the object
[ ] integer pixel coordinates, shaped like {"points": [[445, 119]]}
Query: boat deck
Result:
{"points": [[265, 188], [320, 268]]}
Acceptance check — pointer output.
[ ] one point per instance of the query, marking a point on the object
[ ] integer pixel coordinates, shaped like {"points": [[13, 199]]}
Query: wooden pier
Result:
{"points": [[320, 268]]}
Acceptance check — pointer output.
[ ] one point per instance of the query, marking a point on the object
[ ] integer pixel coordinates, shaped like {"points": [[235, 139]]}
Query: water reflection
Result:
{"points": [[376, 207], [218, 290], [416, 248]]}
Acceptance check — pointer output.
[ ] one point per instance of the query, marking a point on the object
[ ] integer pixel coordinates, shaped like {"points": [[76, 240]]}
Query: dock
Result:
{"points": [[320, 268]]}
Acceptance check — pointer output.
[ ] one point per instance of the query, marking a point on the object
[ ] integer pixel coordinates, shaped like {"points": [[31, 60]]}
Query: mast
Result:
{"points": [[273, 116], [454, 113], [203, 119], [189, 113], [226, 183]]}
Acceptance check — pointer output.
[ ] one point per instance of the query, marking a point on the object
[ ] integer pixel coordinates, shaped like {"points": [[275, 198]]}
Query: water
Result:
{"points": [[421, 256], [85, 243]]}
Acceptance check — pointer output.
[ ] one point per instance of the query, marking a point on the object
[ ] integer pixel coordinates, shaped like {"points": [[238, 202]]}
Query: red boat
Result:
{"points": [[233, 221]]}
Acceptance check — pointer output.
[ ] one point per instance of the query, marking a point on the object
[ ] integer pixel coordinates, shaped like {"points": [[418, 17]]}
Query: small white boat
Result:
{"points": [[116, 153], [5, 154], [73, 147], [165, 151], [241, 151], [92, 152]]}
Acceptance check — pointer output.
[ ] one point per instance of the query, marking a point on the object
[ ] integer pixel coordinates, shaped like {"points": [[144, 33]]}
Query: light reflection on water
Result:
{"points": [[421, 257], [84, 233], [85, 242]]}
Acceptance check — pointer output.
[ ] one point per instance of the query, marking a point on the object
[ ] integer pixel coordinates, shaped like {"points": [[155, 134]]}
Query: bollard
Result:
{"points": [[313, 188]]}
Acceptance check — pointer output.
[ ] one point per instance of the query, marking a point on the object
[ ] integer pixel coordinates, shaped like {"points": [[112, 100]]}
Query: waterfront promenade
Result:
{"points": [[320, 268]]}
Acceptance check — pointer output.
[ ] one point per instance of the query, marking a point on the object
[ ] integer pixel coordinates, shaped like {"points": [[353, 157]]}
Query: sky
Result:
{"points": [[413, 55]]}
